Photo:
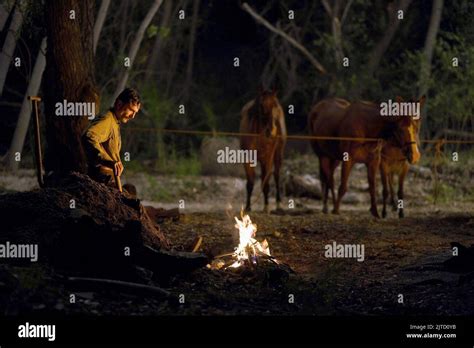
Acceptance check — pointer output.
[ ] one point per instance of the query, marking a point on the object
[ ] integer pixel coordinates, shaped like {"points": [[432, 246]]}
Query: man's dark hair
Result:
{"points": [[129, 95]]}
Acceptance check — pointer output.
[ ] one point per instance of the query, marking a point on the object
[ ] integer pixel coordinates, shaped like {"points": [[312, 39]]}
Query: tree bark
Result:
{"points": [[382, 45], [334, 13], [175, 52], [9, 45], [99, 22], [136, 45], [69, 76], [25, 112], [192, 40], [3, 16], [430, 42]]}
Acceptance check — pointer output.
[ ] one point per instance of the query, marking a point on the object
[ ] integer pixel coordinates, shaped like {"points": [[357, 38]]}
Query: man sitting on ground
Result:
{"points": [[102, 140]]}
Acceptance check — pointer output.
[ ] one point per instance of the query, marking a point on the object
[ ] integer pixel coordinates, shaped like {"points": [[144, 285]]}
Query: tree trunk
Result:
{"points": [[99, 22], [9, 45], [430, 42], [334, 13], [379, 50], [192, 40], [3, 16], [69, 76], [175, 52], [25, 112], [154, 59], [136, 44]]}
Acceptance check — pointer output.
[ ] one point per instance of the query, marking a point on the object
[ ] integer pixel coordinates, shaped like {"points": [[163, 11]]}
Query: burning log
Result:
{"points": [[251, 255]]}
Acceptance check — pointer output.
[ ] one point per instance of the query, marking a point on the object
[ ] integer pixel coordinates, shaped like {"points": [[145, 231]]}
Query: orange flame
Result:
{"points": [[249, 248]]}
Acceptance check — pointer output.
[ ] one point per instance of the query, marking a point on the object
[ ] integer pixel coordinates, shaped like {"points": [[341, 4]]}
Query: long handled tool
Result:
{"points": [[118, 182], [38, 154]]}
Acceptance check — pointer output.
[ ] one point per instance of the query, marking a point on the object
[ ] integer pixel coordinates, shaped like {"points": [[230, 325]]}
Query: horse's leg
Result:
{"points": [[384, 176], [250, 173], [276, 176], [392, 194], [332, 168], [372, 167], [345, 171], [401, 180], [323, 176], [266, 168]]}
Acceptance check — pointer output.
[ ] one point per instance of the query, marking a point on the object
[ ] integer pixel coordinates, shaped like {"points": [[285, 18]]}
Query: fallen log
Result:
{"points": [[168, 262], [463, 261], [117, 285], [303, 186], [159, 215]]}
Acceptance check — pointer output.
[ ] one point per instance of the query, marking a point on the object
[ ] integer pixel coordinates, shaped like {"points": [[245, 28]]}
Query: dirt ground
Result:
{"points": [[402, 256]]}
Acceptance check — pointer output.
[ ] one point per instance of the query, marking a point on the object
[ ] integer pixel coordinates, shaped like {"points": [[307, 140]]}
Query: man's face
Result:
{"points": [[126, 112]]}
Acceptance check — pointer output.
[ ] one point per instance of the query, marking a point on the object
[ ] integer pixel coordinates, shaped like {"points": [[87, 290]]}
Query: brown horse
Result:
{"points": [[394, 161], [265, 117], [364, 120], [323, 120]]}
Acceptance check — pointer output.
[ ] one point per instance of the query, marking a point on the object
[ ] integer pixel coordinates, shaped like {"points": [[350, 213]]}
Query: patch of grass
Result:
{"points": [[188, 166], [135, 167], [31, 277], [444, 193], [181, 166], [158, 192]]}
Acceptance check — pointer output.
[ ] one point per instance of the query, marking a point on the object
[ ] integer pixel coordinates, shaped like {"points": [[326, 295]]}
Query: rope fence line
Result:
{"points": [[435, 163], [291, 137]]}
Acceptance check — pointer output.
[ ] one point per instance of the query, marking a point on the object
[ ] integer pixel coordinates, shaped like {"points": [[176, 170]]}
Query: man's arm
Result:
{"points": [[96, 134]]}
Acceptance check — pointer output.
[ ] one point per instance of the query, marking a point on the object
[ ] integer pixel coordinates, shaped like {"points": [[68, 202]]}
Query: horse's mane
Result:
{"points": [[253, 112]]}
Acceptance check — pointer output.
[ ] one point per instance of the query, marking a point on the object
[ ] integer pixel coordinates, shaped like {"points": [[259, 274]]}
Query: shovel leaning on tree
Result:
{"points": [[38, 154]]}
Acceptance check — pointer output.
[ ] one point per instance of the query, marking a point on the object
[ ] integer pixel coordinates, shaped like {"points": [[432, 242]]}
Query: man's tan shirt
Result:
{"points": [[102, 142]]}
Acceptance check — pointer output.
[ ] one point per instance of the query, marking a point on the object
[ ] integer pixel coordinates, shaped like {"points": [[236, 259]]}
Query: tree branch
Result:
{"points": [[346, 11], [295, 44]]}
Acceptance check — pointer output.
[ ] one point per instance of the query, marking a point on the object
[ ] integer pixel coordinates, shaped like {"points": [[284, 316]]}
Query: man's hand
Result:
{"points": [[118, 168]]}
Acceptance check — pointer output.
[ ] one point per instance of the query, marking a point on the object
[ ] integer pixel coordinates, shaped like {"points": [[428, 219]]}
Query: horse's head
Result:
{"points": [[267, 103], [407, 132]]}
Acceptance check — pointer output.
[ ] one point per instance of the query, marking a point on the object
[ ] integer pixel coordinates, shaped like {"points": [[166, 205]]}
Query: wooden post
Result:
{"points": [[118, 182], [38, 154]]}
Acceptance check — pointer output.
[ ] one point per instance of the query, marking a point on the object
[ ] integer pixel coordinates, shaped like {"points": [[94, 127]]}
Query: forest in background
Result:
{"points": [[190, 62]]}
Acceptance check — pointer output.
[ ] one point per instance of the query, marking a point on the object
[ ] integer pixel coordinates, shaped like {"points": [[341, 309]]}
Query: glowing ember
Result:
{"points": [[249, 248]]}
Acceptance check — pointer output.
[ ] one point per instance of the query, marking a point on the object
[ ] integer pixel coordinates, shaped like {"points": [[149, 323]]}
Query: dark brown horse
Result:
{"points": [[336, 117], [395, 162], [364, 120], [265, 117], [323, 120]]}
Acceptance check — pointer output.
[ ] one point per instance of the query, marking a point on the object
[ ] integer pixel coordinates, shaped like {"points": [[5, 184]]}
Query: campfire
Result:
{"points": [[249, 251]]}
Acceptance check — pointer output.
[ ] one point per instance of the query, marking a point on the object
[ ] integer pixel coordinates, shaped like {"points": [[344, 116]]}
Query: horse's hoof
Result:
{"points": [[325, 210], [401, 215], [247, 209], [384, 214], [335, 212]]}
